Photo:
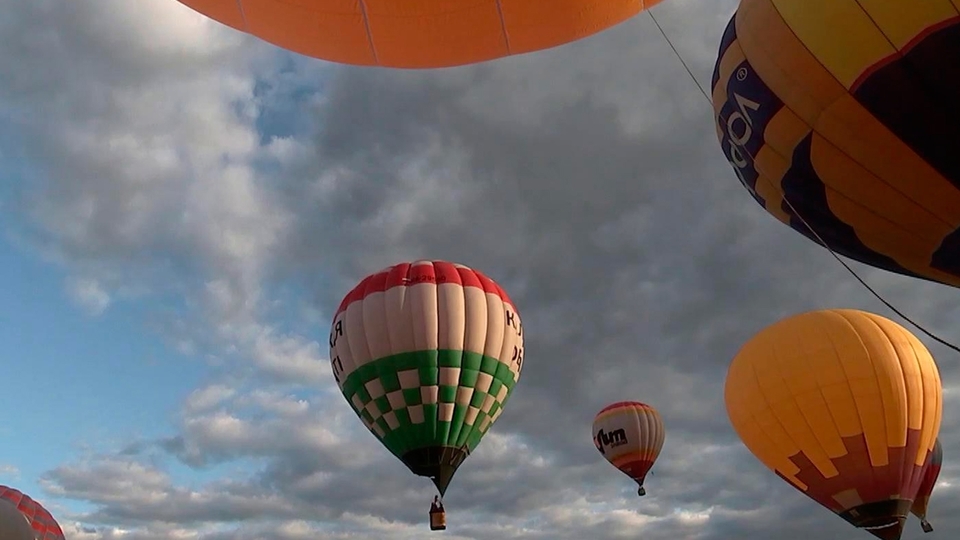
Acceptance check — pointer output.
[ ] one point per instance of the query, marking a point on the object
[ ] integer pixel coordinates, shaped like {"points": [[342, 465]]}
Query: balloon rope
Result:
{"points": [[682, 61], [804, 221]]}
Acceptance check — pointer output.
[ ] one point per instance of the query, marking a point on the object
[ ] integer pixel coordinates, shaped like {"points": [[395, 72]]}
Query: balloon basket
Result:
{"points": [[925, 525], [438, 520]]}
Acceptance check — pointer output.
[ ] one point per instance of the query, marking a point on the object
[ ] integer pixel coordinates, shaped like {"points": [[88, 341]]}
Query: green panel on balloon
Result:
{"points": [[429, 398]]}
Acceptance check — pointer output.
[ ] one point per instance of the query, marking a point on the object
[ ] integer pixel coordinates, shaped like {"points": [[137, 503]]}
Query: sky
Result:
{"points": [[182, 207]]}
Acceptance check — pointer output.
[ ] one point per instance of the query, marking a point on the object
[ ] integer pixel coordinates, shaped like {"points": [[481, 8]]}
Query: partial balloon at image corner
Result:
{"points": [[22, 518], [859, 153]]}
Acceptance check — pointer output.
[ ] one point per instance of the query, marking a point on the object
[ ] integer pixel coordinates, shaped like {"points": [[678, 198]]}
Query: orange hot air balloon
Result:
{"points": [[418, 33], [930, 476], [630, 435], [845, 406]]}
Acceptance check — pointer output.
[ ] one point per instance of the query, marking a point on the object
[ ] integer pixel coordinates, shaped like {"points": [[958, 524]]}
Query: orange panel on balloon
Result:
{"points": [[418, 33]]}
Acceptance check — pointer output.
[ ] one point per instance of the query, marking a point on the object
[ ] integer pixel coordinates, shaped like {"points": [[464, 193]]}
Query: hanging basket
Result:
{"points": [[438, 520]]}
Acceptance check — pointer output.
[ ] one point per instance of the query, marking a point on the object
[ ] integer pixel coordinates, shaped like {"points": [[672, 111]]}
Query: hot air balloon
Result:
{"points": [[842, 115], [22, 518], [629, 434], [930, 475], [427, 354], [845, 406], [418, 33]]}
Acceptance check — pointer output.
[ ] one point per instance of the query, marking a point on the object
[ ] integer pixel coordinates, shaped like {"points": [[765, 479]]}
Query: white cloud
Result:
{"points": [[89, 294], [209, 397]]}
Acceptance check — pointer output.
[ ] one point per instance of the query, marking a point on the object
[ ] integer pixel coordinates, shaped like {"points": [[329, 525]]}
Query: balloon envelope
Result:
{"points": [[845, 406], [853, 120], [427, 354], [418, 33], [43, 525], [629, 435]]}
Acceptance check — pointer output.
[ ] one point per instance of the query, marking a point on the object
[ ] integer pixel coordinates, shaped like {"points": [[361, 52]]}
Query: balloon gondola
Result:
{"points": [[438, 516]]}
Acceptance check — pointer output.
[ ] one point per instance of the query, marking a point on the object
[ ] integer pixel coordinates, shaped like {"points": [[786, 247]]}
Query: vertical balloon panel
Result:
{"points": [[930, 475]]}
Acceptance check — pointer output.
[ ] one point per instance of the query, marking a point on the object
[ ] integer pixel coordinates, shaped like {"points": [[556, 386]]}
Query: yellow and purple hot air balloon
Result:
{"points": [[427, 353], [418, 33], [629, 435], [843, 115], [845, 406]]}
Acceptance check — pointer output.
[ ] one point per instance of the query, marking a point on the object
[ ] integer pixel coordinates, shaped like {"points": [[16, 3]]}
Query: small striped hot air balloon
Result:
{"points": [[845, 406], [930, 476], [22, 518], [427, 354], [629, 435]]}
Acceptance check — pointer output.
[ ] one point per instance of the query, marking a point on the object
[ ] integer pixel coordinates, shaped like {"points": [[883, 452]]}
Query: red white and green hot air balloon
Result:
{"points": [[22, 518], [427, 354], [630, 435]]}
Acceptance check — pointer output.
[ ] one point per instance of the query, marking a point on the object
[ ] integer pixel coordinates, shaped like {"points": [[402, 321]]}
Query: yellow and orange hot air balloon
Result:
{"points": [[418, 33], [629, 435], [844, 405]]}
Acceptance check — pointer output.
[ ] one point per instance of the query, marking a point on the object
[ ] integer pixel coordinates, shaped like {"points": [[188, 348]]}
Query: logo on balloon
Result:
{"points": [[612, 440], [742, 119], [740, 131]]}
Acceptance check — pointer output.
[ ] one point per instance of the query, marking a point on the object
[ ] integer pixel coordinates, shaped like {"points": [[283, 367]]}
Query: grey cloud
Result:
{"points": [[586, 180]]}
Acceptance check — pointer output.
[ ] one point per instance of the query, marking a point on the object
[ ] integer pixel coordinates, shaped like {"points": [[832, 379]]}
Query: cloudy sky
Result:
{"points": [[182, 208]]}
